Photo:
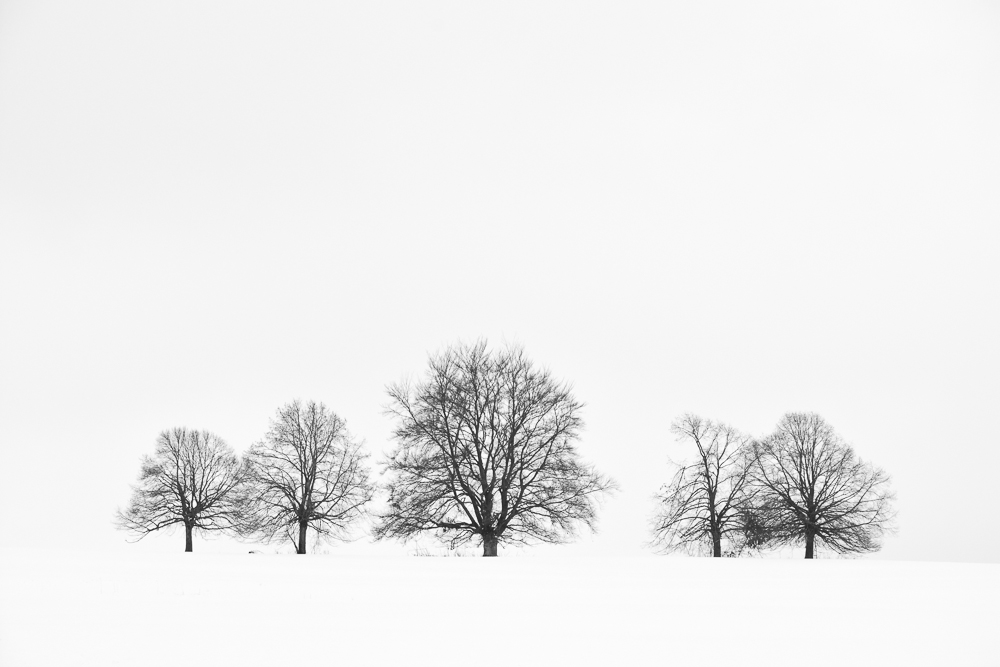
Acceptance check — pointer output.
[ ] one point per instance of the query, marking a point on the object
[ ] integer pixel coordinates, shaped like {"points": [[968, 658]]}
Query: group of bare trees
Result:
{"points": [[307, 472], [802, 485], [485, 450]]}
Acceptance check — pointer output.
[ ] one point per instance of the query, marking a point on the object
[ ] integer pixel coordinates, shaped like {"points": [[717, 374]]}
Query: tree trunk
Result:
{"points": [[716, 546], [188, 544], [810, 539], [489, 545], [302, 537]]}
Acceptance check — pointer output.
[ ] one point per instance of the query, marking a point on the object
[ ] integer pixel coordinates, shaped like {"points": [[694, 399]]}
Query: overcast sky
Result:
{"points": [[208, 209]]}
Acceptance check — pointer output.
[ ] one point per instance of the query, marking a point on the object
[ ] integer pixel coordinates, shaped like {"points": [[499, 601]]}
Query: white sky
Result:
{"points": [[209, 209]]}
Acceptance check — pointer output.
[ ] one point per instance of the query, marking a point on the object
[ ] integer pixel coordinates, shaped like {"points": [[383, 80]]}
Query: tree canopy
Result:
{"points": [[701, 509], [192, 479], [308, 471], [815, 490], [485, 448]]}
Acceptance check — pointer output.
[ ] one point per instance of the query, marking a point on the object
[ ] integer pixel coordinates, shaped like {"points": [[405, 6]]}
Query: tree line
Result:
{"points": [[485, 451], [802, 485]]}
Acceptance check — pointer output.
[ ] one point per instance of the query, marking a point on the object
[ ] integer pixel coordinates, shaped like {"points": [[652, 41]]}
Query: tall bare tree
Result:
{"points": [[193, 479], [702, 506], [485, 449], [814, 489], [307, 472]]}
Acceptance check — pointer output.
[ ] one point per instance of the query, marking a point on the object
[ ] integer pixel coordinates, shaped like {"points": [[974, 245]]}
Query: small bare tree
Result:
{"points": [[308, 471], [193, 479], [702, 506], [485, 450], [814, 489]]}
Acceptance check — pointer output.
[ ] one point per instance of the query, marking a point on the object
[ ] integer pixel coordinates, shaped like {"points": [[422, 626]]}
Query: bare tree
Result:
{"points": [[308, 471], [485, 449], [193, 479], [814, 489], [702, 506]]}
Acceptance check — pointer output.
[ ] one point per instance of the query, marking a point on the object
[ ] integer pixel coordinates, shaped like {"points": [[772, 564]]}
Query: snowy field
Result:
{"points": [[59, 609]]}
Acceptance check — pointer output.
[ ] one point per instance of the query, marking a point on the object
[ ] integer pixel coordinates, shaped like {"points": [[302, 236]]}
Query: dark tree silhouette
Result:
{"points": [[308, 471], [193, 479], [485, 450], [702, 506], [814, 489]]}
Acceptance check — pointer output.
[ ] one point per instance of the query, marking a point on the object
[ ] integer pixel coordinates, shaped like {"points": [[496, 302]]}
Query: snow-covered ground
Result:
{"points": [[59, 609]]}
